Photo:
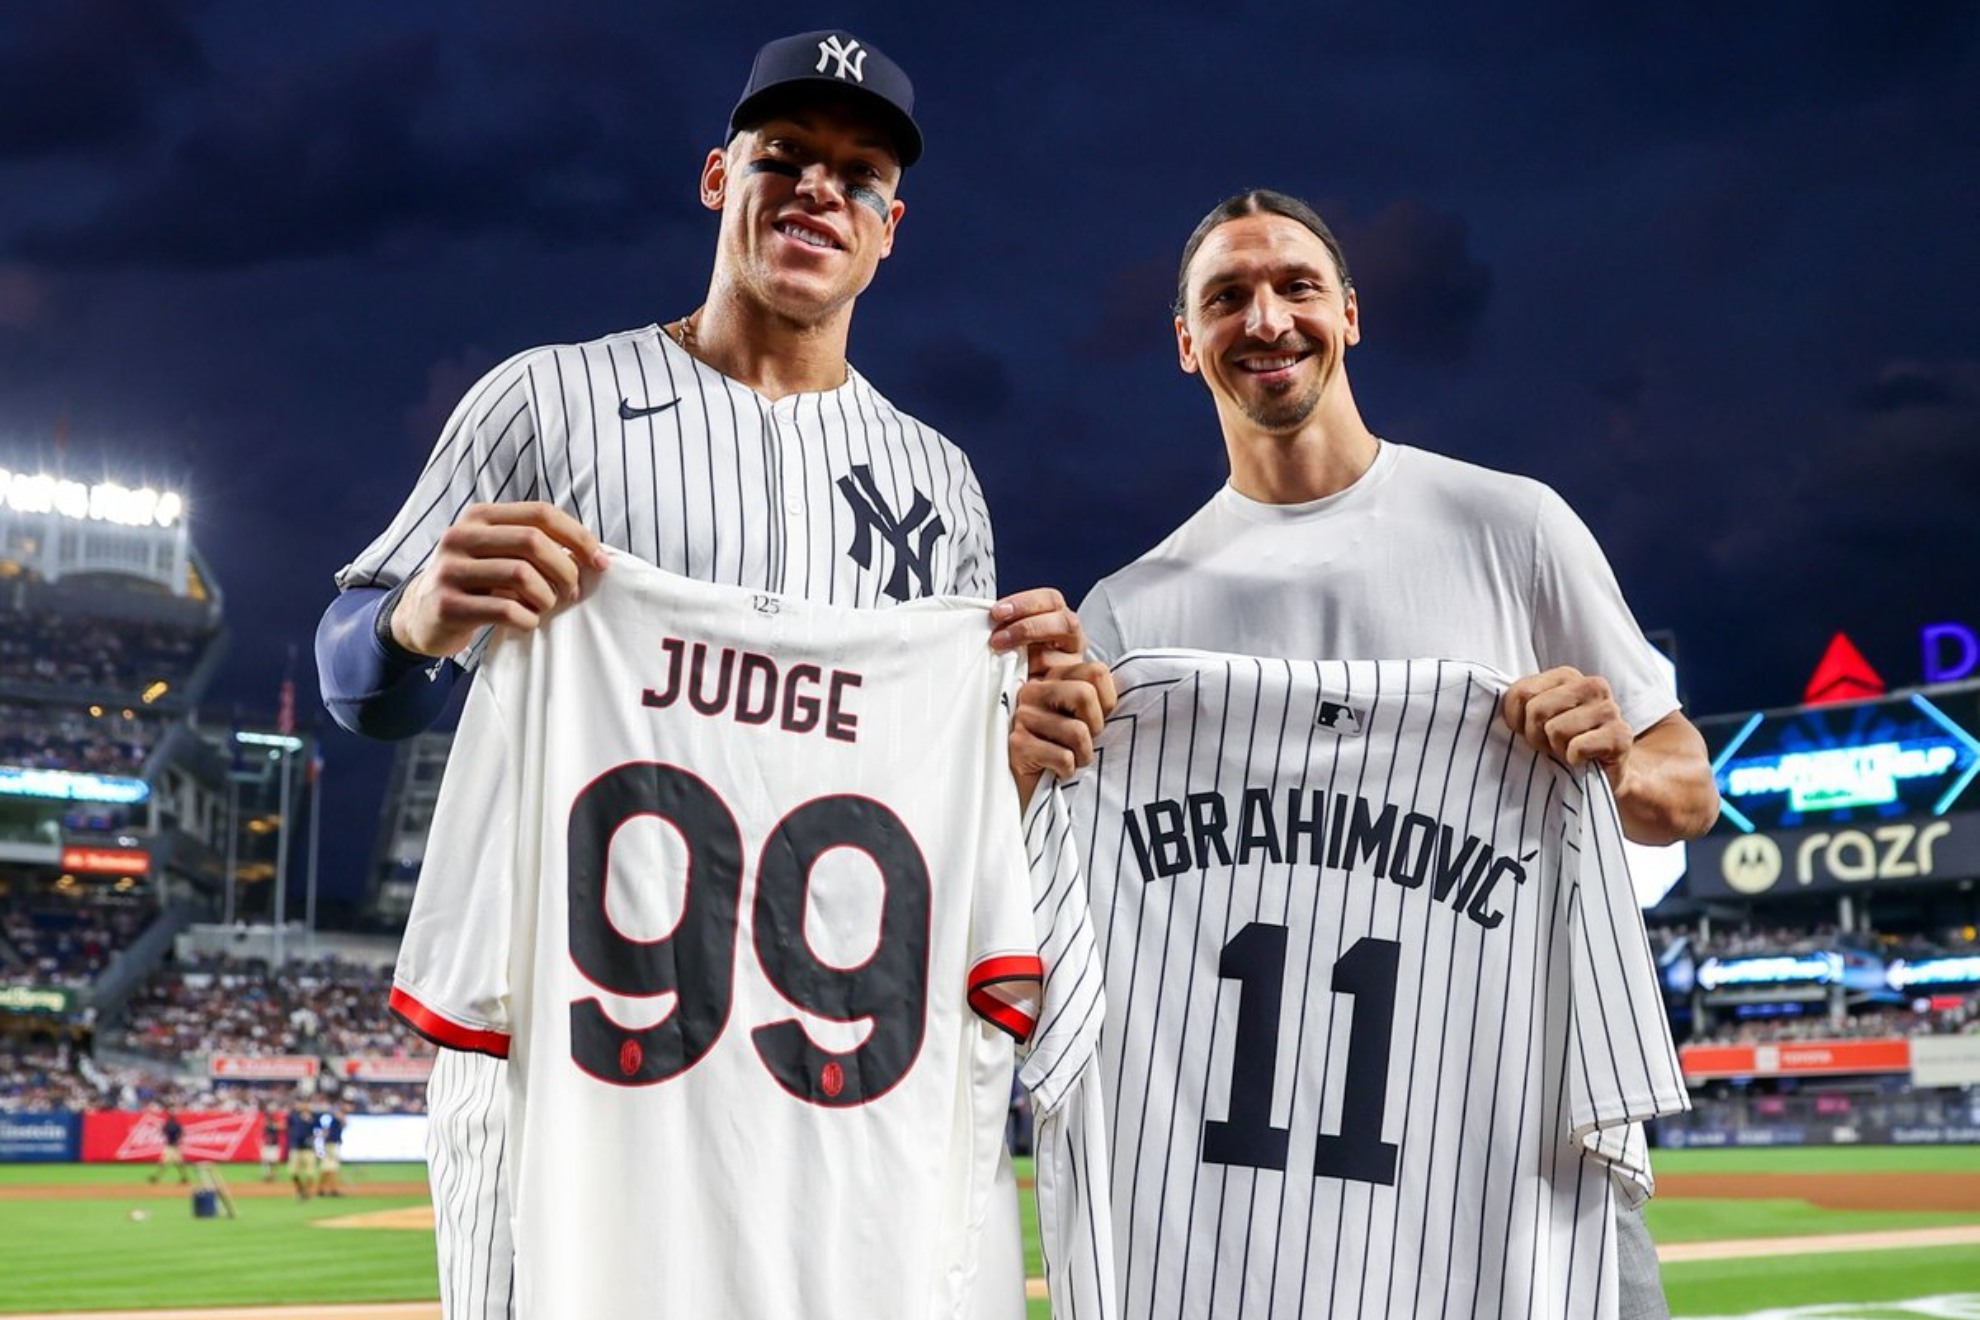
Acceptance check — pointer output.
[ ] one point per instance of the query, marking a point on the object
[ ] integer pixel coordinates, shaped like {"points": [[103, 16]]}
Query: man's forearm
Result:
{"points": [[1667, 793], [367, 688]]}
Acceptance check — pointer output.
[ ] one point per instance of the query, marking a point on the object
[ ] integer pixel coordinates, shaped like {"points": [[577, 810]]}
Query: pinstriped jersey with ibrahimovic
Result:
{"points": [[834, 496], [737, 884], [1378, 1008]]}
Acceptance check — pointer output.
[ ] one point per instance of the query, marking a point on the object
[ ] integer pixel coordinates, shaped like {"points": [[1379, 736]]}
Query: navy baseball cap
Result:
{"points": [[790, 67]]}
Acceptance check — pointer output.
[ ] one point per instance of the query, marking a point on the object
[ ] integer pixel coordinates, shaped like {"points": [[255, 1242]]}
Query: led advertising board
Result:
{"points": [[1929, 973], [71, 786], [1770, 969], [1848, 762], [1822, 798]]}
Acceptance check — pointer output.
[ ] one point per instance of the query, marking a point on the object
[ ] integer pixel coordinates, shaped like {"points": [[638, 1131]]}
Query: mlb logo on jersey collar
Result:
{"points": [[1338, 718]]}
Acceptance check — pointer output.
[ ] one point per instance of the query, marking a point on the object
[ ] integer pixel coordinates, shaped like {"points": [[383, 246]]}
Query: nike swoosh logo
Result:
{"points": [[628, 413]]}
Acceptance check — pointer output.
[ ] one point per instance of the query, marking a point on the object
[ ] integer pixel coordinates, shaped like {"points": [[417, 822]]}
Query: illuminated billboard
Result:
{"points": [[1771, 969], [1925, 973], [71, 786], [1854, 762], [1827, 797]]}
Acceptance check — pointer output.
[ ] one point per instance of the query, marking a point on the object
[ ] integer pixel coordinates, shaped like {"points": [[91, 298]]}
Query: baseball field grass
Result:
{"points": [[1891, 1281], [111, 1240], [72, 1243]]}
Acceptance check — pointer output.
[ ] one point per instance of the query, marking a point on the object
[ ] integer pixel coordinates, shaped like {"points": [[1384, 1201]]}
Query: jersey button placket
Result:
{"points": [[783, 425]]}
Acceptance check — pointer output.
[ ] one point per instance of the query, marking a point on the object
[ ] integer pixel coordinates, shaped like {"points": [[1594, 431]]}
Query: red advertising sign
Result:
{"points": [[106, 861], [262, 1067], [118, 1135], [1797, 1058], [382, 1068]]}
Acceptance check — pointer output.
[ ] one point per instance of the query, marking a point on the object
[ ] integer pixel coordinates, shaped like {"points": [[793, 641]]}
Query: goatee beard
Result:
{"points": [[1282, 412]]}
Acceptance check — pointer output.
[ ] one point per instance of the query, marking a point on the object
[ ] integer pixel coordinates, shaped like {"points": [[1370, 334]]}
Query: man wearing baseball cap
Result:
{"points": [[734, 444]]}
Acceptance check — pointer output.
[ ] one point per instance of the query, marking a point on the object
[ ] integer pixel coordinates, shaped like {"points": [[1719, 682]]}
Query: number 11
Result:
{"points": [[1256, 958]]}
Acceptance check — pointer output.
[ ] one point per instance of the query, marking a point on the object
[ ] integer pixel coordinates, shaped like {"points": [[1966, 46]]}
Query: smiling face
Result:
{"points": [[808, 208], [1266, 320]]}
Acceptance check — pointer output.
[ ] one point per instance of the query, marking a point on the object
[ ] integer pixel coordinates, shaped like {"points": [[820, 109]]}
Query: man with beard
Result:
{"points": [[1329, 543]]}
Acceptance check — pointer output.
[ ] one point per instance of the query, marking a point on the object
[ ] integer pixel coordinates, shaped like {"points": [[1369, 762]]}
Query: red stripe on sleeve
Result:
{"points": [[991, 971], [444, 1031], [1009, 967], [1017, 1024]]}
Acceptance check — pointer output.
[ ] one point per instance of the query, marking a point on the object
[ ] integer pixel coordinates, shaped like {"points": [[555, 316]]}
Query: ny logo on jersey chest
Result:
{"points": [[911, 536]]}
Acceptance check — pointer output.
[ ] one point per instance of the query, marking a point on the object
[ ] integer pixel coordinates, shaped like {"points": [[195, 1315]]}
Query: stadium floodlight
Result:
{"points": [[106, 501]]}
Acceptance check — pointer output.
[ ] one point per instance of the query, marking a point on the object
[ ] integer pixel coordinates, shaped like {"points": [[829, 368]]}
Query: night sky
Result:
{"points": [[1708, 270]]}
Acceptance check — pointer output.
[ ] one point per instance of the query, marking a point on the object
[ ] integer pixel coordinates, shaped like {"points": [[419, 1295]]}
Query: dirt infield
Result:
{"points": [[1833, 1191], [1957, 1235], [411, 1216]]}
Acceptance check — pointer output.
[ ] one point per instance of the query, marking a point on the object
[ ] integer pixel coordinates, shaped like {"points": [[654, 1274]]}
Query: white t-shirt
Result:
{"points": [[1422, 556], [1380, 1011], [723, 873]]}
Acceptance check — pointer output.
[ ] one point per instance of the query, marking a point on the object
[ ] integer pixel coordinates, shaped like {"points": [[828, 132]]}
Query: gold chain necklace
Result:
{"points": [[682, 331]]}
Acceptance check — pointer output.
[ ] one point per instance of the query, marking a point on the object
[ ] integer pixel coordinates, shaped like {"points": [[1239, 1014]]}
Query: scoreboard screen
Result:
{"points": [[1858, 763]]}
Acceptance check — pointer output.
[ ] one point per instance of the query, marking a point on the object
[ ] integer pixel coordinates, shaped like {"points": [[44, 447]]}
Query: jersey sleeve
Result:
{"points": [[1061, 1069], [452, 979], [467, 1130], [1004, 969], [1103, 630], [1580, 617], [1071, 1006], [1622, 1065], [976, 544], [486, 452]]}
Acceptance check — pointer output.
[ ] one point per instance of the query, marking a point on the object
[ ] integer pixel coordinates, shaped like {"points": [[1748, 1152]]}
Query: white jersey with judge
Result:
{"points": [[1379, 1007], [724, 874]]}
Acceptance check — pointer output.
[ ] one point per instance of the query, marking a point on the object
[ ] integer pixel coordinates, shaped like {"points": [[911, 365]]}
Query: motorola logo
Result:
{"points": [[1751, 864]]}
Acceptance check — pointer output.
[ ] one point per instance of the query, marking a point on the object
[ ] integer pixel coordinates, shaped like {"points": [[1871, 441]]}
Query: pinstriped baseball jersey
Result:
{"points": [[1378, 1012], [475, 1255], [736, 883], [835, 496]]}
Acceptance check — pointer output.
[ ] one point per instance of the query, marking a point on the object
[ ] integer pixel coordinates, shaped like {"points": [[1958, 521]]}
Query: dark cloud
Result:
{"points": [[361, 155], [1132, 316], [1422, 292], [1902, 387], [447, 383], [84, 75], [22, 298]]}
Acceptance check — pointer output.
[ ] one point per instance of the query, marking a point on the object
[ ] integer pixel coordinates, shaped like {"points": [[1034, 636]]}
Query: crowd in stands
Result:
{"points": [[57, 942], [328, 1006], [59, 1078], [1726, 942], [43, 1079], [92, 656], [1963, 1018], [324, 1008], [46, 737]]}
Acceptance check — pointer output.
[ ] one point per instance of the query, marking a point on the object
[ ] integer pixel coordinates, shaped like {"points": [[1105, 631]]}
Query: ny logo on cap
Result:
{"points": [[850, 55]]}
